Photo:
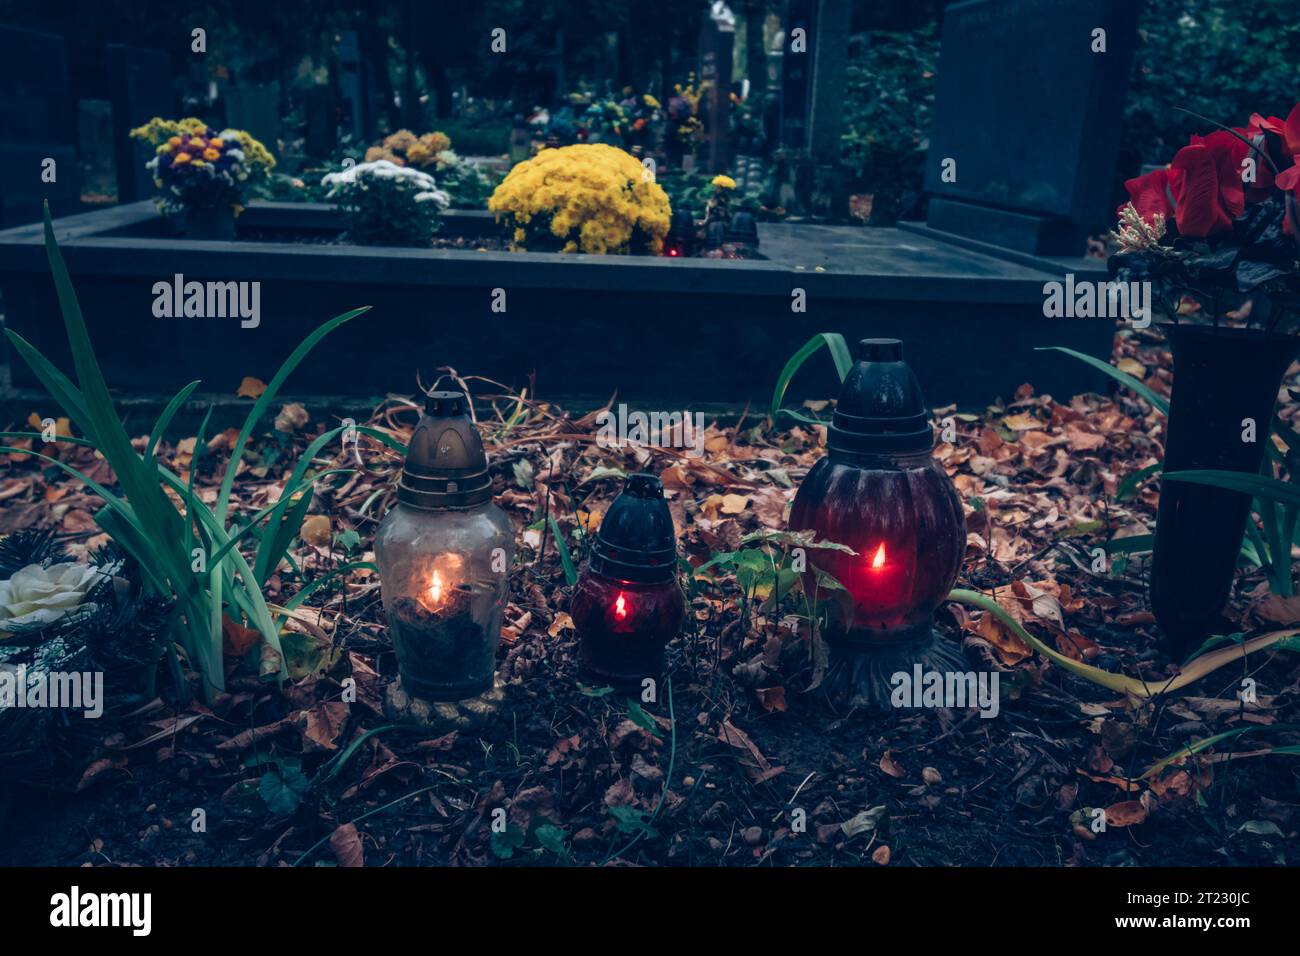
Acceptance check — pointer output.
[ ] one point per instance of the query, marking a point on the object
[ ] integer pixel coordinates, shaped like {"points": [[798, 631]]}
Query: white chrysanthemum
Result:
{"points": [[436, 196], [382, 171], [36, 596]]}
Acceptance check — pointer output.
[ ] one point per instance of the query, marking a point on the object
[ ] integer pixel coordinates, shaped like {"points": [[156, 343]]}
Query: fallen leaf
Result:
{"points": [[346, 844], [772, 698], [322, 725], [891, 766], [863, 822], [316, 530], [235, 638], [291, 418], [734, 504], [1126, 813], [251, 387]]}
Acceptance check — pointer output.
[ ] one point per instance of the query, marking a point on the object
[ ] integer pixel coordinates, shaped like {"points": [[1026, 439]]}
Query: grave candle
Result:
{"points": [[627, 604], [443, 556], [879, 491]]}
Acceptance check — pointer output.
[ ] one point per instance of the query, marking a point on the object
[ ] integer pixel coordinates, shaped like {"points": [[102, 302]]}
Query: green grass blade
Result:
{"points": [[1260, 486], [839, 350], [566, 559], [168, 413], [264, 400], [56, 383], [1128, 381]]}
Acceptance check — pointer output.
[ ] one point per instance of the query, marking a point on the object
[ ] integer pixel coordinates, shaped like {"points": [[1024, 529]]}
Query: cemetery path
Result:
{"points": [[736, 762]]}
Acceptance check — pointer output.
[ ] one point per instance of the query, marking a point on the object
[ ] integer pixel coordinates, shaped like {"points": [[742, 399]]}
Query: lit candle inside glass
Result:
{"points": [[443, 583], [878, 560]]}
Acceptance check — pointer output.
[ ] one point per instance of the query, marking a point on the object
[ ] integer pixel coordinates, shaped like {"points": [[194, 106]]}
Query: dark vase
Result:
{"points": [[1221, 378], [210, 222]]}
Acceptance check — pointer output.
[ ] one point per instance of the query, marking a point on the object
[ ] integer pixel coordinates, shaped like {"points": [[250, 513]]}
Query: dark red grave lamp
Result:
{"points": [[880, 492], [444, 555], [628, 604]]}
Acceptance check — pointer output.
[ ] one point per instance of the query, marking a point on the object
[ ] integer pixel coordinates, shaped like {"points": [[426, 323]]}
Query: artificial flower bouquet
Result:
{"points": [[464, 182], [387, 204], [592, 198], [198, 168], [1215, 231]]}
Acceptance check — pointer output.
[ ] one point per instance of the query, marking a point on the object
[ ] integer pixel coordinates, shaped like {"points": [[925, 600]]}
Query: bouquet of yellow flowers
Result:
{"points": [[585, 198], [196, 167]]}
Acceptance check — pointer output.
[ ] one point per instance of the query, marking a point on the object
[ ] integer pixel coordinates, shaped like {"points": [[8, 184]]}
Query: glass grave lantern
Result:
{"points": [[879, 491], [444, 553], [628, 604]]}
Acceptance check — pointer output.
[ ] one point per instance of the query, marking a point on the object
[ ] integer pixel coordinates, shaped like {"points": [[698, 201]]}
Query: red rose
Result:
{"points": [[1229, 152], [1288, 129], [1207, 193], [1149, 195]]}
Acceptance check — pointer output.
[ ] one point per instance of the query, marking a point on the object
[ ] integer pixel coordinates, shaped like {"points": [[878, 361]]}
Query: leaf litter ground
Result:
{"points": [[753, 768]]}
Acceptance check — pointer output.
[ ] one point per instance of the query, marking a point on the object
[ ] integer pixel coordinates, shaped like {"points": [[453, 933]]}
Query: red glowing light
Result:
{"points": [[878, 561], [620, 606], [673, 252]]}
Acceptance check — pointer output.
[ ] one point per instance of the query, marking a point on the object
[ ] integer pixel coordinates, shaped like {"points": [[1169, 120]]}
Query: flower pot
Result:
{"points": [[210, 222], [1221, 378]]}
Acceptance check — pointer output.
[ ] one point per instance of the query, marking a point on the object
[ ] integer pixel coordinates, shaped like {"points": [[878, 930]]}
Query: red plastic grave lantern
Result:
{"points": [[879, 491], [628, 605]]}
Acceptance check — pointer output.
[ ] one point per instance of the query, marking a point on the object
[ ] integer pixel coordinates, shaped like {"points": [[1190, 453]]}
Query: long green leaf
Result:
{"points": [[264, 401], [839, 350], [1128, 381], [1260, 486], [566, 559], [168, 413]]}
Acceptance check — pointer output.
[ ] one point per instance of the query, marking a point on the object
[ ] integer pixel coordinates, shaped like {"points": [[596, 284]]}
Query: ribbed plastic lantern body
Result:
{"points": [[879, 492], [628, 604], [444, 553]]}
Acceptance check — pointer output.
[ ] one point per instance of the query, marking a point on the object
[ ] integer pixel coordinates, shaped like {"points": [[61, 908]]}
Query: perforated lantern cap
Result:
{"points": [[636, 540], [881, 410], [446, 467]]}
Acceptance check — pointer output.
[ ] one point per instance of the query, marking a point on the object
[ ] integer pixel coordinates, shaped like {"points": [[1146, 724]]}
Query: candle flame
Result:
{"points": [[620, 606], [879, 560], [435, 589]]}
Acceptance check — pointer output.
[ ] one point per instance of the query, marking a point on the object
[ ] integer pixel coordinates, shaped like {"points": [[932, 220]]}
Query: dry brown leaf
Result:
{"points": [[734, 504], [346, 844], [891, 766], [772, 698], [316, 530], [235, 638], [251, 387], [322, 725], [1126, 813]]}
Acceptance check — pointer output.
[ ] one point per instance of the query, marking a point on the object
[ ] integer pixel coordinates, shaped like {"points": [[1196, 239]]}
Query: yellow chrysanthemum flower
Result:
{"points": [[181, 159], [724, 182], [211, 155], [594, 198]]}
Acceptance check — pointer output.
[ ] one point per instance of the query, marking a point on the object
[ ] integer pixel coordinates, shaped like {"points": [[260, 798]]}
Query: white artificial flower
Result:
{"points": [[35, 595], [435, 196], [380, 169]]}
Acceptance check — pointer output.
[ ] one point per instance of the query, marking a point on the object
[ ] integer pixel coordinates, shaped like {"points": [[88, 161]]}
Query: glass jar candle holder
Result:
{"points": [[444, 553]]}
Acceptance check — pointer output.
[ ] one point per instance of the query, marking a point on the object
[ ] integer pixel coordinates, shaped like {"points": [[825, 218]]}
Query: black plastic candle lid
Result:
{"points": [[636, 540], [881, 409], [446, 467]]}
